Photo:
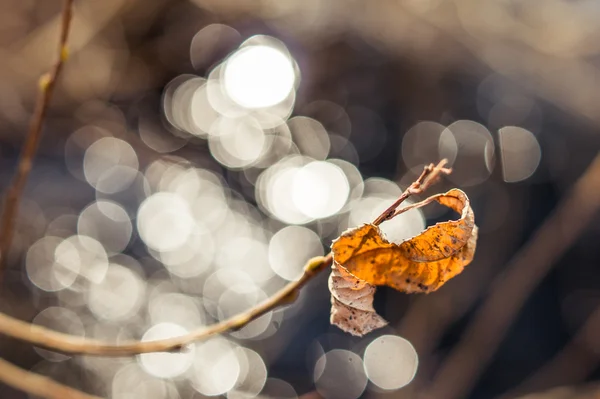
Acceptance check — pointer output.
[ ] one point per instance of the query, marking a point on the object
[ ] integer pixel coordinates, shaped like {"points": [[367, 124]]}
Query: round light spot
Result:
{"points": [[118, 296], [290, 247], [110, 165], [390, 362], [239, 143], [340, 374], [216, 367], [166, 365], [84, 254], [164, 221], [520, 153], [259, 76], [320, 189], [48, 271], [427, 141], [474, 160], [108, 223], [278, 196], [253, 375]]}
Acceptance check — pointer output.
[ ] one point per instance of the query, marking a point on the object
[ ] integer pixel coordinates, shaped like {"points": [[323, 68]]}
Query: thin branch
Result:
{"points": [[430, 175], [419, 204], [571, 365], [480, 341], [38, 385], [54, 340], [47, 85], [50, 339]]}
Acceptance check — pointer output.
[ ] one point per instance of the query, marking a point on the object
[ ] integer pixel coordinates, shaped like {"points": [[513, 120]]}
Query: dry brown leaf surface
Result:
{"points": [[363, 259]]}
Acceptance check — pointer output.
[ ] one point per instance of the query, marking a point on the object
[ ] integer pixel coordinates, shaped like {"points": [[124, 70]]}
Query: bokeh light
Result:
{"points": [[49, 270], [425, 141], [216, 367], [118, 296], [259, 76], [253, 375], [108, 223], [289, 248], [339, 374], [110, 165], [520, 153], [320, 189], [164, 221], [475, 157], [390, 362], [166, 365]]}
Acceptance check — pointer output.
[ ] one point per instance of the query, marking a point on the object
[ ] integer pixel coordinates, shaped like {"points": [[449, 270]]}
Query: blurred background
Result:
{"points": [[198, 152]]}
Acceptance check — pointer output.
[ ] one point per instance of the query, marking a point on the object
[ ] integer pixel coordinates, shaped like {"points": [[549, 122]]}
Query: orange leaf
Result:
{"points": [[421, 264]]}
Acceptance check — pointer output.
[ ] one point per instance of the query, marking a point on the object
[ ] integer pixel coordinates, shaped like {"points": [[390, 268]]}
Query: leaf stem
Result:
{"points": [[428, 177]]}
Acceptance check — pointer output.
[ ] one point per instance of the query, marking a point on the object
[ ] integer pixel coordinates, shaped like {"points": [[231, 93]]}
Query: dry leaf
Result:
{"points": [[421, 264], [352, 303]]}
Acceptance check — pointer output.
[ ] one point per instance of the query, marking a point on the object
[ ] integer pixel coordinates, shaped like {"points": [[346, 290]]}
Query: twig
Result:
{"points": [[429, 176], [571, 365], [38, 385], [47, 84], [481, 339], [50, 339], [54, 340]]}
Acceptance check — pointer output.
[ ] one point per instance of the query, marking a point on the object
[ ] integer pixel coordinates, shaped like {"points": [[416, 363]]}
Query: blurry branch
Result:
{"points": [[481, 339], [50, 339], [38, 385], [54, 340], [588, 391], [573, 364], [47, 83]]}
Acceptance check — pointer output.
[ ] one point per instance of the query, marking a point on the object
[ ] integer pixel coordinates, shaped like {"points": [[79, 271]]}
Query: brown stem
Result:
{"points": [[429, 176], [47, 85], [44, 337], [38, 385]]}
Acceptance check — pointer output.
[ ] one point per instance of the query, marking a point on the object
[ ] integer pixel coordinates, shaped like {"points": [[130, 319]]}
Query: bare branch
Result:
{"points": [[54, 340], [430, 175], [47, 85], [38, 385]]}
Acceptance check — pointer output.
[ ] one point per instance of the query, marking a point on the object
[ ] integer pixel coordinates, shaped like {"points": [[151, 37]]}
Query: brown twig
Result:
{"points": [[431, 173], [481, 339], [54, 340], [43, 337], [47, 85], [38, 385], [571, 365]]}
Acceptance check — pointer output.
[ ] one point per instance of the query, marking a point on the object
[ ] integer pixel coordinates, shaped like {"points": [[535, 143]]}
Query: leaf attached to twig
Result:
{"points": [[421, 264]]}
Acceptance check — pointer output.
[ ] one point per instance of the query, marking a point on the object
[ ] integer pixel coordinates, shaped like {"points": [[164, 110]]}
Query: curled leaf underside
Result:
{"points": [[352, 303], [422, 264]]}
